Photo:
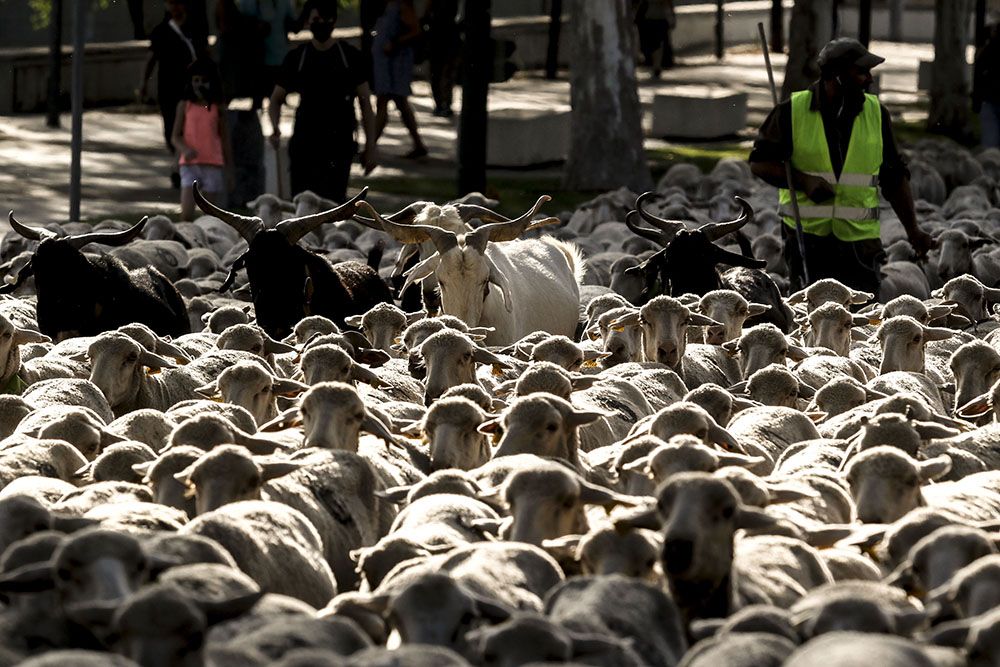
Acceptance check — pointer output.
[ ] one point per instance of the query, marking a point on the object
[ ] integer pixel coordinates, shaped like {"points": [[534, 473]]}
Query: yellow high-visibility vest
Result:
{"points": [[852, 215]]}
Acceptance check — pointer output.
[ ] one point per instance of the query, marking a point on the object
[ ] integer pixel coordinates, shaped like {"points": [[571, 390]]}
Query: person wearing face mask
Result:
{"points": [[839, 140], [328, 75]]}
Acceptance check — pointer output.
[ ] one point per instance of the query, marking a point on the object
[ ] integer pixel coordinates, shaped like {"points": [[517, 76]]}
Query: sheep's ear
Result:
{"points": [[642, 518], [377, 603], [934, 468], [591, 494], [581, 417], [756, 309], [742, 460], [797, 297], [858, 335], [754, 519], [938, 311], [25, 336], [31, 578], [288, 388], [796, 353], [731, 347], [370, 424], [703, 628], [484, 356], [954, 634], [485, 525], [362, 374], [595, 355], [184, 476], [217, 611], [937, 333], [142, 469], [396, 494], [594, 333], [929, 430], [287, 419], [274, 469], [858, 298], [371, 356], [210, 390], [490, 609], [724, 439], [699, 320], [63, 523], [580, 381], [977, 407], [826, 536], [354, 321], [788, 493], [154, 361], [805, 391], [272, 346], [739, 387], [489, 426]]}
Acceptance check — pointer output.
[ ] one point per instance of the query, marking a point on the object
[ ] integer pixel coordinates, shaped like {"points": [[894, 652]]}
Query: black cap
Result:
{"points": [[845, 51]]}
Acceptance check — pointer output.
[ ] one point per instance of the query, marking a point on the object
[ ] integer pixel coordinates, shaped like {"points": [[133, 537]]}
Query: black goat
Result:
{"points": [[688, 261], [288, 282], [81, 295]]}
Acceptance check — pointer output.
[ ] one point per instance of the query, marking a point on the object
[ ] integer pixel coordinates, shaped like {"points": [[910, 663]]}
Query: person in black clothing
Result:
{"points": [[443, 42], [986, 87], [328, 75], [839, 95], [173, 46]]}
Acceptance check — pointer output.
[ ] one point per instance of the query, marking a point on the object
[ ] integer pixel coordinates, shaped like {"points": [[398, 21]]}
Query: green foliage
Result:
{"points": [[41, 10]]}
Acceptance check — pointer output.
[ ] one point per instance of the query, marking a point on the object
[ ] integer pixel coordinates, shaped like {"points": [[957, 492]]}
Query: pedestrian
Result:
{"points": [[392, 69], [328, 75], [443, 43], [201, 137], [240, 50], [986, 87], [278, 18], [173, 47], [840, 143], [655, 19]]}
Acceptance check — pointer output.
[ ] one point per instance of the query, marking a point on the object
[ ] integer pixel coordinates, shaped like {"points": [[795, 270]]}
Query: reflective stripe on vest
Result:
{"points": [[852, 215]]}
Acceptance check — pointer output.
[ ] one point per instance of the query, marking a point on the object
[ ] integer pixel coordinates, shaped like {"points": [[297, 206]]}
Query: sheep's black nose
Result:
{"points": [[678, 555]]}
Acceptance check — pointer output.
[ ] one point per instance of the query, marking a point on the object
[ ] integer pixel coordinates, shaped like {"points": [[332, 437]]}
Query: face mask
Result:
{"points": [[201, 90], [321, 30]]}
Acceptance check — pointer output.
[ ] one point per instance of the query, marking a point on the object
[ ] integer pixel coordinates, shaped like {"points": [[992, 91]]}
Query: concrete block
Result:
{"points": [[924, 74], [519, 137], [699, 112]]}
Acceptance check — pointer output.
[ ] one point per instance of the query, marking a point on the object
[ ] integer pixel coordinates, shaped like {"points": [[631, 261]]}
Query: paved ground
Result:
{"points": [[125, 165]]}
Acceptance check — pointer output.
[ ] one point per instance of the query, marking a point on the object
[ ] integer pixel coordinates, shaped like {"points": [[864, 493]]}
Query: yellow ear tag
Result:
{"points": [[497, 371], [618, 328], [590, 363], [153, 371], [874, 321], [496, 437]]}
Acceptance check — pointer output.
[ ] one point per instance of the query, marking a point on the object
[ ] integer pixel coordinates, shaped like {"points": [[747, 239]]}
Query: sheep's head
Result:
{"points": [[228, 474], [664, 322], [623, 341], [830, 327], [382, 325], [885, 482], [903, 342], [451, 425], [251, 386], [729, 308], [762, 346], [450, 358], [333, 415], [118, 366], [829, 290], [976, 367], [541, 424], [685, 417]]}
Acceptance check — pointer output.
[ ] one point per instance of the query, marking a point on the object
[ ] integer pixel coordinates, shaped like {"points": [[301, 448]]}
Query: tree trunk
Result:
{"points": [[606, 141], [809, 30], [896, 20], [950, 103]]}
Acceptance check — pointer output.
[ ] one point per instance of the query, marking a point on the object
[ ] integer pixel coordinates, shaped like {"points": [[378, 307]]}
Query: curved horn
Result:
{"points": [[295, 228], [645, 232], [108, 238], [402, 233], [403, 216], [716, 230], [511, 230], [669, 227], [248, 227], [29, 233]]}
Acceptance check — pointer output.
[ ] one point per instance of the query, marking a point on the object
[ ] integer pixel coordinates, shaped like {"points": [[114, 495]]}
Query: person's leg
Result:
{"points": [[436, 64], [667, 54], [381, 115], [168, 110], [989, 119], [410, 122], [862, 271], [187, 203]]}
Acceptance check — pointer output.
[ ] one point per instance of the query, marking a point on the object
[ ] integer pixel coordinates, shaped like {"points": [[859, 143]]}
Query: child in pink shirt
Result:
{"points": [[201, 138]]}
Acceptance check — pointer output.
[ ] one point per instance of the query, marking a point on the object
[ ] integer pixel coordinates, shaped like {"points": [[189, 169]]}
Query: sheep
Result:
{"points": [[80, 295], [116, 463], [119, 370], [621, 608], [622, 342], [382, 325], [46, 458], [80, 427], [563, 352], [770, 430], [845, 648], [529, 638], [828, 290], [830, 327], [516, 306], [274, 544], [863, 606], [841, 395], [775, 385], [976, 367], [221, 319], [451, 428], [547, 501], [251, 338], [160, 476], [159, 625], [903, 342], [700, 514], [69, 392], [886, 484], [761, 346], [149, 426], [250, 385], [278, 267], [450, 358], [207, 430], [686, 453], [732, 310], [11, 339]]}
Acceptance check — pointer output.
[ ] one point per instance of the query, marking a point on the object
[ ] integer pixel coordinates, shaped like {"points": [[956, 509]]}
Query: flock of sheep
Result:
{"points": [[606, 439]]}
